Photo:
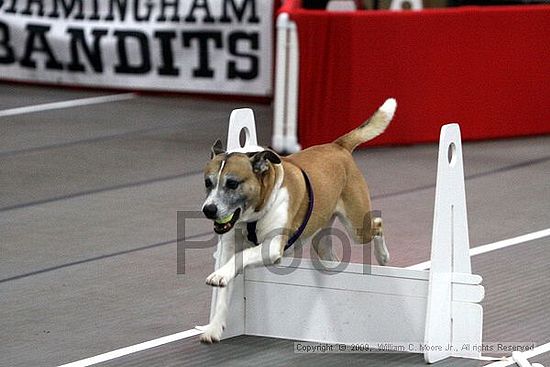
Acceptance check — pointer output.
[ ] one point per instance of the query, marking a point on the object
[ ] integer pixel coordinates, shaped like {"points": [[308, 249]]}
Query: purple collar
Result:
{"points": [[251, 226]]}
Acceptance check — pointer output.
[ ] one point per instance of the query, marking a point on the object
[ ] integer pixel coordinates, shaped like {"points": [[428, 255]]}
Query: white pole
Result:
{"points": [[279, 114], [292, 145]]}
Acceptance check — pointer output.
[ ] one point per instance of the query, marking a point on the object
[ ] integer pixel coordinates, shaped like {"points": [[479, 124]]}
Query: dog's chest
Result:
{"points": [[275, 219]]}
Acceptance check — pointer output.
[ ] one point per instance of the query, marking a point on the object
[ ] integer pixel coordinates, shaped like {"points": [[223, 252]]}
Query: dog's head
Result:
{"points": [[237, 184]]}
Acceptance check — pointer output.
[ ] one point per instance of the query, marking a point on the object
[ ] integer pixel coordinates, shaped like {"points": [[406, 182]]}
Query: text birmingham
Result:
{"points": [[188, 11]]}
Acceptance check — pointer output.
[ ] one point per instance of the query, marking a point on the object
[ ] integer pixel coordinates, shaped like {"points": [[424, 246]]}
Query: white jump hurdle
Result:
{"points": [[388, 305]]}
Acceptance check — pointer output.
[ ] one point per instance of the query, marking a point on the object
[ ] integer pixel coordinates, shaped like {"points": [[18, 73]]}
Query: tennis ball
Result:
{"points": [[225, 219]]}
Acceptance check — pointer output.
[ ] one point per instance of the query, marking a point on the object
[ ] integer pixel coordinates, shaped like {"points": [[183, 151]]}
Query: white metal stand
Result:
{"points": [[285, 115], [399, 4], [341, 5], [384, 306]]}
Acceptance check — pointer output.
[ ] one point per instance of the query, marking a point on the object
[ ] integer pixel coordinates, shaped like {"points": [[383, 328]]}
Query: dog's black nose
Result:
{"points": [[210, 211]]}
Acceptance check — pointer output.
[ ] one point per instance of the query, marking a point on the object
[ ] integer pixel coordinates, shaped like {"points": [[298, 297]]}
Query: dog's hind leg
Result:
{"points": [[354, 210], [323, 245], [380, 250], [364, 228]]}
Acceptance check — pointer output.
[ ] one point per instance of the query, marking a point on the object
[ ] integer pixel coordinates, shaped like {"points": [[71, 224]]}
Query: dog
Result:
{"points": [[285, 198]]}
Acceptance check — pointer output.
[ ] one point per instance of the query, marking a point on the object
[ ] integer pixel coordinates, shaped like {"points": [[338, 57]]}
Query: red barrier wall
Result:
{"points": [[487, 68]]}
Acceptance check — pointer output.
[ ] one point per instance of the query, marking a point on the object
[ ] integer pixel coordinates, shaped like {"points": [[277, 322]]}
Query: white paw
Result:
{"points": [[381, 251], [383, 259], [212, 334], [217, 279]]}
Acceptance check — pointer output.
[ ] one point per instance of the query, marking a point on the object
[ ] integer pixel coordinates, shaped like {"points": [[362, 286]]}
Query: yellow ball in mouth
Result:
{"points": [[225, 219]]}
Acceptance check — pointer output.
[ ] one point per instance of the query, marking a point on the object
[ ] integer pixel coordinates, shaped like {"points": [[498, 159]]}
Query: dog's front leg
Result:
{"points": [[266, 253], [213, 331]]}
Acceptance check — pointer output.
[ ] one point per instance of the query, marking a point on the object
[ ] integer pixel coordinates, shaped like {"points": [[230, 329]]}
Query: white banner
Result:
{"points": [[212, 46]]}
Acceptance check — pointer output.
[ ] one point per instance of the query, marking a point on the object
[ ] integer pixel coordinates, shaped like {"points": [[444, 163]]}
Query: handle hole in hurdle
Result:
{"points": [[244, 137], [451, 154]]}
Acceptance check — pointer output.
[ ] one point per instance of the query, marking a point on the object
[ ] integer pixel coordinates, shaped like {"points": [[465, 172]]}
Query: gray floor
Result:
{"points": [[88, 202]]}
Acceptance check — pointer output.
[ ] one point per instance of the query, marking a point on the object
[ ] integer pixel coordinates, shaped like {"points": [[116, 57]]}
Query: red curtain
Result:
{"points": [[487, 68]]}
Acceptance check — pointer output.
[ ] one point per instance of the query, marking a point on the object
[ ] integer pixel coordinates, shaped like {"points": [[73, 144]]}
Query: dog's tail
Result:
{"points": [[371, 128]]}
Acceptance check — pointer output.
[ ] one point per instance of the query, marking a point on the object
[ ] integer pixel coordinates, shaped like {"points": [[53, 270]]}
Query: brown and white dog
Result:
{"points": [[271, 190]]}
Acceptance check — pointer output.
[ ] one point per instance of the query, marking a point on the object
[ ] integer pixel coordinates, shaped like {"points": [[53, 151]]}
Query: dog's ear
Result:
{"points": [[216, 149], [260, 161]]}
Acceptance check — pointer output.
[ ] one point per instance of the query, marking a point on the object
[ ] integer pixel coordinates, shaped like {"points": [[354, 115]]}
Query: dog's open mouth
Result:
{"points": [[224, 225]]}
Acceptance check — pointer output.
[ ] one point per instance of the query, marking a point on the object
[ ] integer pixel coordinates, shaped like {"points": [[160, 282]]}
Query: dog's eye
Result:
{"points": [[208, 183], [232, 184]]}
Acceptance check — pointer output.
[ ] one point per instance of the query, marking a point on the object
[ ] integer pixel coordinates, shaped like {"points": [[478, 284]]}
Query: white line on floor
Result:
{"points": [[66, 104], [133, 349], [494, 246], [541, 349], [193, 332]]}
